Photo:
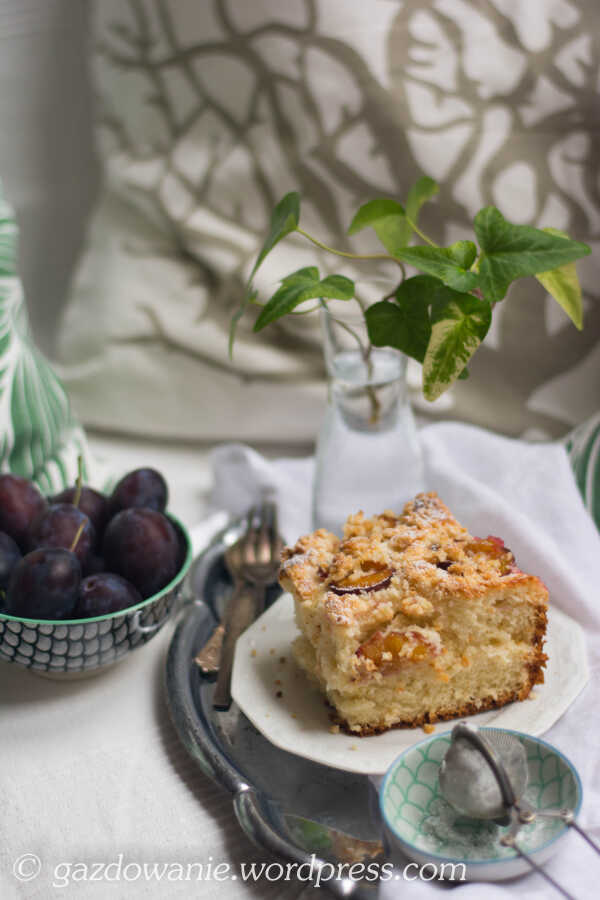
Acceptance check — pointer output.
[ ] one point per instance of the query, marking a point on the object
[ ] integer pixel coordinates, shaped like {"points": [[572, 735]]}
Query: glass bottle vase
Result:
{"points": [[368, 453]]}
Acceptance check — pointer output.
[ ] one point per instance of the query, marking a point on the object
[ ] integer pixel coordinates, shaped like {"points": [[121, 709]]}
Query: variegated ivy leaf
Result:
{"points": [[514, 251], [390, 220], [404, 323], [284, 219], [459, 323], [386, 217], [300, 286], [450, 264], [423, 190], [563, 285]]}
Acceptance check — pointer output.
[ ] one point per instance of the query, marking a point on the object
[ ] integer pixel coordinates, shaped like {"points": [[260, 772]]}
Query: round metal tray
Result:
{"points": [[297, 809]]}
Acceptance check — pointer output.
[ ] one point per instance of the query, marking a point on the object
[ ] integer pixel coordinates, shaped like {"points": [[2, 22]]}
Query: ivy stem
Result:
{"points": [[421, 234], [343, 252], [392, 293], [365, 352], [303, 312]]}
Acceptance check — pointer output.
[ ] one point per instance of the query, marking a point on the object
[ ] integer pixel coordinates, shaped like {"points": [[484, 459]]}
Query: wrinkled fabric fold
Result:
{"points": [[526, 494]]}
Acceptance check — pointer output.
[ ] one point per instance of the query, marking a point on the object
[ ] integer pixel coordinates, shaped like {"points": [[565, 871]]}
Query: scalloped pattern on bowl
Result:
{"points": [[75, 647], [417, 813], [81, 646]]}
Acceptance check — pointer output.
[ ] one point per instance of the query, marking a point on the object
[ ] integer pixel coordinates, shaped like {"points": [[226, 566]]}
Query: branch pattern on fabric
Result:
{"points": [[439, 317]]}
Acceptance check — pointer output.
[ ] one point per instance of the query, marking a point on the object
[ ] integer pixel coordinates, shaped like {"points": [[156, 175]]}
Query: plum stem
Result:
{"points": [[76, 538], [79, 482]]}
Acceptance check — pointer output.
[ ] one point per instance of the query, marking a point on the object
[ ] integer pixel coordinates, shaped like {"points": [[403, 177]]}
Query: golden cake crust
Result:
{"points": [[425, 546]]}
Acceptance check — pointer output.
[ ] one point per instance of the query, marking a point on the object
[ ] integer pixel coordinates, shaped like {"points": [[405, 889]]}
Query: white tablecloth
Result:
{"points": [[526, 494], [92, 771]]}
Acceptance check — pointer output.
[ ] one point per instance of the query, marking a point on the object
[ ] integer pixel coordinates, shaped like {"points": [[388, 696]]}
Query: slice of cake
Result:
{"points": [[409, 619]]}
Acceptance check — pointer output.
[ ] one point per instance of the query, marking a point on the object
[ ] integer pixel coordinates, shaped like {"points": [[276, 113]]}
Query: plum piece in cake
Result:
{"points": [[409, 619]]}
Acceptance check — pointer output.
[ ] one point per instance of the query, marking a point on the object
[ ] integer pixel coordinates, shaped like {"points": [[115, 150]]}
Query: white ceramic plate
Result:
{"points": [[298, 720]]}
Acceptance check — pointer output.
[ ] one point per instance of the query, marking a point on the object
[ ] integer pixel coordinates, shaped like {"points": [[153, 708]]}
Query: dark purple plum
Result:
{"points": [[141, 545], [181, 540], [58, 527], [9, 557], [44, 585], [142, 487], [105, 593], [20, 505], [92, 503], [93, 565]]}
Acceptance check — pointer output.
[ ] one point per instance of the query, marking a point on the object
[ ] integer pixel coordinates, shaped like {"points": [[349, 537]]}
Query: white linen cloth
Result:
{"points": [[93, 769], [525, 493]]}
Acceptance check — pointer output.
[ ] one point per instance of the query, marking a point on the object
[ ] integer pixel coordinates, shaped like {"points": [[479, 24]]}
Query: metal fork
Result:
{"points": [[253, 562]]}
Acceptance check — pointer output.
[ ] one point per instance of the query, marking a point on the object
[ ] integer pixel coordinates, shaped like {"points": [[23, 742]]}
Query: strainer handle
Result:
{"points": [[492, 758], [509, 841], [585, 836], [567, 817]]}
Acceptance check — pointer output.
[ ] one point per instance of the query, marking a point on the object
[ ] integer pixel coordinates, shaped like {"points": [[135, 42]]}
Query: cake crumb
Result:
{"points": [[277, 681], [272, 651], [279, 694], [352, 747], [282, 659], [253, 652], [263, 627], [334, 729], [428, 729], [294, 716], [533, 695]]}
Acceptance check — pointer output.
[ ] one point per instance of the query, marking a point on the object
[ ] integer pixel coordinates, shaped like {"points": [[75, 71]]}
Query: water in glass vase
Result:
{"points": [[368, 452]]}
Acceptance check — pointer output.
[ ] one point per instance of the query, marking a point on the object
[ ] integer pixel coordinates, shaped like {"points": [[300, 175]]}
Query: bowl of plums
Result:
{"points": [[86, 577]]}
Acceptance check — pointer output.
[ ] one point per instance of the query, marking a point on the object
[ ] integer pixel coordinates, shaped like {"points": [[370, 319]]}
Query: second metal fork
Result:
{"points": [[253, 562]]}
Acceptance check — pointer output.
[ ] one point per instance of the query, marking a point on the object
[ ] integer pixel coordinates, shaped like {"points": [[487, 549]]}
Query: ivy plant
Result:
{"points": [[438, 317]]}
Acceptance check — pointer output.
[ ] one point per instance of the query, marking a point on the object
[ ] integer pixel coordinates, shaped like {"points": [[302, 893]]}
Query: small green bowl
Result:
{"points": [[425, 827], [72, 648]]}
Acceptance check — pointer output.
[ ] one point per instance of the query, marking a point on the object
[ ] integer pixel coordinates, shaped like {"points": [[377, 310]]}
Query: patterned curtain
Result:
{"points": [[208, 112]]}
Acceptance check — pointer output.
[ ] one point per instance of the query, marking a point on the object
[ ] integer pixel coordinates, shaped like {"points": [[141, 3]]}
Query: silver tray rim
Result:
{"points": [[253, 809]]}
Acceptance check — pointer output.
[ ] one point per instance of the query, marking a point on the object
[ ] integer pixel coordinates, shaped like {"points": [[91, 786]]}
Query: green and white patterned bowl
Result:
{"points": [[72, 648], [425, 827]]}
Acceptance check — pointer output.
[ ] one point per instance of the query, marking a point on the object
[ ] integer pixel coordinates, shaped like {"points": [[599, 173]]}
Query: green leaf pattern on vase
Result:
{"points": [[583, 447], [40, 439]]}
